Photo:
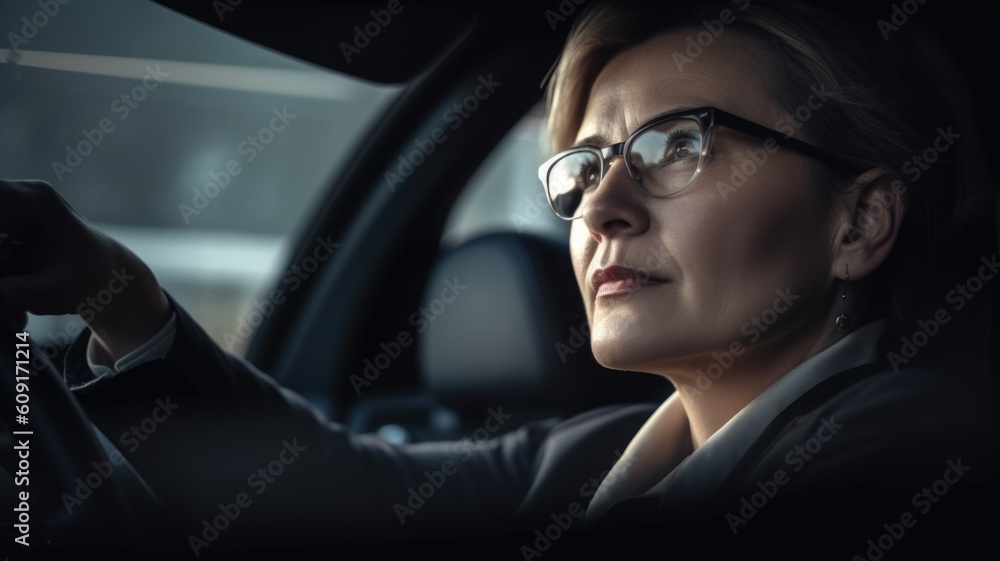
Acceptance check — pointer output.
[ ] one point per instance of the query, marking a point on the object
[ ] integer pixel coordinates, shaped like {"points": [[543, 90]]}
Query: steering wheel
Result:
{"points": [[63, 454]]}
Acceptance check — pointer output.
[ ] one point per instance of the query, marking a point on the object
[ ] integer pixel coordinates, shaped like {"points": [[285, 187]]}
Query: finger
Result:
{"points": [[17, 320], [28, 293], [26, 207], [13, 254]]}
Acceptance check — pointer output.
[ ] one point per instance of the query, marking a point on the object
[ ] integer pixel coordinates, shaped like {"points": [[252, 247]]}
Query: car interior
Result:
{"points": [[403, 332]]}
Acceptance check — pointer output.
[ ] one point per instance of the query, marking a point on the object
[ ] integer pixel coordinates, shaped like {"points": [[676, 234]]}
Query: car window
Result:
{"points": [[505, 195], [199, 151]]}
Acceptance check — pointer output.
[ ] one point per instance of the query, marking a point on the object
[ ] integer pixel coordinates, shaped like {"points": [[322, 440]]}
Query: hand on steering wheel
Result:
{"points": [[51, 261]]}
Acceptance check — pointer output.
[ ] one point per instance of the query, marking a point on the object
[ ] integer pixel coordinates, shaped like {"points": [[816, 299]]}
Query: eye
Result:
{"points": [[685, 148], [676, 143], [588, 174], [665, 157], [593, 176], [679, 146]]}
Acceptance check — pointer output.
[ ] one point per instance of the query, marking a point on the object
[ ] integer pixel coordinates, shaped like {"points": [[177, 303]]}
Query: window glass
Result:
{"points": [[504, 195], [201, 152]]}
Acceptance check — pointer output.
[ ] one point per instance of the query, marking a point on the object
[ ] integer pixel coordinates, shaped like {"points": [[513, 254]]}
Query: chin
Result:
{"points": [[628, 349], [628, 337], [611, 360]]}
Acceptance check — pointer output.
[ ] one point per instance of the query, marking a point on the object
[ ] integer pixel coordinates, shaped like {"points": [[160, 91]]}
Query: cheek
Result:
{"points": [[773, 209], [779, 237], [772, 234], [783, 225]]}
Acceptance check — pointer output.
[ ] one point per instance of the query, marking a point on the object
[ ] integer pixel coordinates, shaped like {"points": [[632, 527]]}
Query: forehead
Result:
{"points": [[660, 76]]}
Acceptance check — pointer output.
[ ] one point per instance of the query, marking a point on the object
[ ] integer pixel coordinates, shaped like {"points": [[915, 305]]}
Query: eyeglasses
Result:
{"points": [[663, 157]]}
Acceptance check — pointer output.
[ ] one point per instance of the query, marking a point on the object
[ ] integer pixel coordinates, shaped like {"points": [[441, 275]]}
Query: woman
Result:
{"points": [[787, 260], [771, 176]]}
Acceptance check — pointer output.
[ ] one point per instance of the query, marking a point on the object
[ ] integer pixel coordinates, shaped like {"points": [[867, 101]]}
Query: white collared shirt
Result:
{"points": [[705, 469]]}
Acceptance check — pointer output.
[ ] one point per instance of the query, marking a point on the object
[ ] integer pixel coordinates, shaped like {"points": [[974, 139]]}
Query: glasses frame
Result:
{"points": [[708, 118]]}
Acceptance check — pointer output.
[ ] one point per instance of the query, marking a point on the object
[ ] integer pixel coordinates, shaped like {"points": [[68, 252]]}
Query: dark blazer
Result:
{"points": [[214, 437]]}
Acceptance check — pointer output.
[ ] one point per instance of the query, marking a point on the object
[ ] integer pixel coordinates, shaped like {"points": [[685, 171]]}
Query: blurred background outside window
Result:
{"points": [[202, 153]]}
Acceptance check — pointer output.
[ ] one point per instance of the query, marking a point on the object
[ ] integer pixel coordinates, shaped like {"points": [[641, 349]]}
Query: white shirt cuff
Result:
{"points": [[155, 348]]}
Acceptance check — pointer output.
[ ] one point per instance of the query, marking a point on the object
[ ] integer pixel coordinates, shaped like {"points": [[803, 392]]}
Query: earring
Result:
{"points": [[843, 321]]}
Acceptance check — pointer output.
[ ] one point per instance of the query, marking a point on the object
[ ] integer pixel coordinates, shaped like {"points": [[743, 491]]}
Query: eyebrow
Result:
{"points": [[599, 140]]}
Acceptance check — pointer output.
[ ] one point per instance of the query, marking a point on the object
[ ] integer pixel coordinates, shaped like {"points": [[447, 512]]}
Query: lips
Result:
{"points": [[617, 280]]}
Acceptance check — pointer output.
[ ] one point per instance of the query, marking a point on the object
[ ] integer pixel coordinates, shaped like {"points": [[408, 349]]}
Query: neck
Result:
{"points": [[713, 393]]}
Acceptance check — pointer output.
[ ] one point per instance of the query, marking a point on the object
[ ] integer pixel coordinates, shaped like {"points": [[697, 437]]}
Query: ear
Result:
{"points": [[869, 224]]}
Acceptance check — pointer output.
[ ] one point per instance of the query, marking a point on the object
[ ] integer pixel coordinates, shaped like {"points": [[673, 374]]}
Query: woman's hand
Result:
{"points": [[59, 263]]}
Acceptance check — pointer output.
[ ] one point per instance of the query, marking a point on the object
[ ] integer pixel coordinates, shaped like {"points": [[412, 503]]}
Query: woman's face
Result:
{"points": [[726, 264]]}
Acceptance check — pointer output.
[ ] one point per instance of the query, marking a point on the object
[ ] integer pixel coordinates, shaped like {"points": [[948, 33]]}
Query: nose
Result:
{"points": [[616, 207]]}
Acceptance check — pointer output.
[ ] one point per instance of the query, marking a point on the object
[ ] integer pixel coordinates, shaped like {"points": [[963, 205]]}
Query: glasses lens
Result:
{"points": [[569, 177], [666, 156]]}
